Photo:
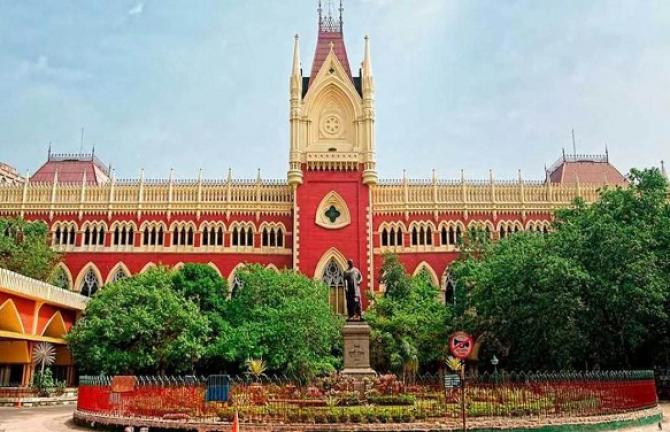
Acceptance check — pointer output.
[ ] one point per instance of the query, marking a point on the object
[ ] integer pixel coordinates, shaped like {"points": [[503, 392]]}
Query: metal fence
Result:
{"points": [[383, 399]]}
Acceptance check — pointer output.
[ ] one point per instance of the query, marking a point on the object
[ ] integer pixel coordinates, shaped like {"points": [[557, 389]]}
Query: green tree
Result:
{"points": [[527, 301], [283, 318], [623, 243], [24, 248], [593, 292], [139, 325], [202, 285], [410, 326]]}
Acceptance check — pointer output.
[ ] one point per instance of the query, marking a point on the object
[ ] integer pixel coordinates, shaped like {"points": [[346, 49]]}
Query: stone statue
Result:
{"points": [[352, 291]]}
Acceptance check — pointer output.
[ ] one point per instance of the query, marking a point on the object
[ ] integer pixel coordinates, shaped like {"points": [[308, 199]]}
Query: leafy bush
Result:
{"points": [[398, 400]]}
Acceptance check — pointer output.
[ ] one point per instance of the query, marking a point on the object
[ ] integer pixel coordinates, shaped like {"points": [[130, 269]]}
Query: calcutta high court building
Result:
{"points": [[332, 205]]}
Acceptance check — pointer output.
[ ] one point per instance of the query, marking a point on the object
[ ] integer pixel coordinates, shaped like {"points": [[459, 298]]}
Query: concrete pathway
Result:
{"points": [[59, 419]]}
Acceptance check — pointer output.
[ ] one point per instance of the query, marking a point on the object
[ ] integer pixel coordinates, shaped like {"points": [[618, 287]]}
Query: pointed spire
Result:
{"points": [[341, 16], [230, 175], [665, 174], [296, 56], [330, 31], [367, 59], [328, 22], [49, 154]]}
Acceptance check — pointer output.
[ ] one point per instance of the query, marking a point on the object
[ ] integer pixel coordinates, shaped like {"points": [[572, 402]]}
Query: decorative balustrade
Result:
{"points": [[411, 196], [276, 196], [122, 196]]}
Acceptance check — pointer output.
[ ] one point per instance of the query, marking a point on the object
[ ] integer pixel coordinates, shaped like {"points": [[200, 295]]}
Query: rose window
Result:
{"points": [[332, 125]]}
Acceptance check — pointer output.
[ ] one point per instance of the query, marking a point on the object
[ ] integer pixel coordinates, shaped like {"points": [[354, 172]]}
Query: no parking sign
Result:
{"points": [[460, 345]]}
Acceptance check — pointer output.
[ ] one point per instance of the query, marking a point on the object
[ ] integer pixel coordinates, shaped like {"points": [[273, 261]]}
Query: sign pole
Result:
{"points": [[460, 345], [463, 413]]}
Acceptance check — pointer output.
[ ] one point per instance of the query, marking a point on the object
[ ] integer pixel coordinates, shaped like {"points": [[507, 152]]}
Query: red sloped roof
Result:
{"points": [[587, 171], [323, 49], [71, 169]]}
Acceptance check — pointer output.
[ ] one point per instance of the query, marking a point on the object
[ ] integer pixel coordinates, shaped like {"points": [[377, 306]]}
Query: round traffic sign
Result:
{"points": [[460, 345]]}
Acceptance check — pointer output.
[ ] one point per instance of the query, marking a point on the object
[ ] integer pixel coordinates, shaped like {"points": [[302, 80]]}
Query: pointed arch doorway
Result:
{"points": [[333, 277]]}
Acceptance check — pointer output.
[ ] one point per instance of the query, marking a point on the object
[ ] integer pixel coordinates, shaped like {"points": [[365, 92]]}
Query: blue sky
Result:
{"points": [[471, 84]]}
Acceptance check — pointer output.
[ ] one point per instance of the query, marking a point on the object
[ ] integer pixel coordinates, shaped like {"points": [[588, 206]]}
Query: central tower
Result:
{"points": [[332, 157], [332, 112]]}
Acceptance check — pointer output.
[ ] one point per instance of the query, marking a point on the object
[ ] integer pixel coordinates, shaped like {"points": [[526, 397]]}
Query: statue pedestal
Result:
{"points": [[357, 350]]}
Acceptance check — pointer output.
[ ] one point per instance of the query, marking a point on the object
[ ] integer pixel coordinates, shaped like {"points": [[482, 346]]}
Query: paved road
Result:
{"points": [[59, 419], [46, 419]]}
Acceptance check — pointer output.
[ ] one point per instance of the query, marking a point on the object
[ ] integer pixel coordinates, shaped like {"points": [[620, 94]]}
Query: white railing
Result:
{"points": [[22, 286]]}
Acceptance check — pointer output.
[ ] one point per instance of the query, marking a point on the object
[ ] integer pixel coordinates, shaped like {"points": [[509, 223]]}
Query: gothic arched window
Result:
{"points": [[333, 277], [60, 279], [90, 284], [449, 289], [236, 285], [119, 274]]}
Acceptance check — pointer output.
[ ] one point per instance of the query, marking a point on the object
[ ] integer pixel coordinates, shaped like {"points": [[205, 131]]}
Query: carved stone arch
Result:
{"points": [[339, 78], [119, 266], [178, 266], [243, 224], [95, 224], [122, 224], [153, 223], [231, 276], [423, 265], [233, 279], [10, 319], [502, 224], [333, 212], [331, 254], [481, 224], [82, 274], [212, 225], [66, 271], [147, 267], [182, 225], [272, 267], [422, 224], [55, 327]]}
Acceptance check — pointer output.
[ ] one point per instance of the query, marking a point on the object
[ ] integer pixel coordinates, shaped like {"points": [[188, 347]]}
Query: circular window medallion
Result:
{"points": [[331, 125]]}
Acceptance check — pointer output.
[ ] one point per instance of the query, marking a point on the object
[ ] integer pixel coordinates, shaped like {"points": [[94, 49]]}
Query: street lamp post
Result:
{"points": [[494, 363]]}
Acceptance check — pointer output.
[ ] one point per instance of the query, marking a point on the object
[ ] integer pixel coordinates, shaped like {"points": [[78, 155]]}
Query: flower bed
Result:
{"points": [[383, 400]]}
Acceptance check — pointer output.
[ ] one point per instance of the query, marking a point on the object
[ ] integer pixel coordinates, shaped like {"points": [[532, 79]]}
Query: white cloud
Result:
{"points": [[137, 9]]}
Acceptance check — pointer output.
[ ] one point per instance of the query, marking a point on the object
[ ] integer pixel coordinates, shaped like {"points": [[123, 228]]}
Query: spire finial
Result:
{"points": [[665, 174], [341, 16], [296, 56], [328, 23], [49, 154], [367, 58]]}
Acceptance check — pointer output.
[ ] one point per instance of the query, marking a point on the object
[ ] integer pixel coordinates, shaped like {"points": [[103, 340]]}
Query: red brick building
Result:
{"points": [[332, 205]]}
